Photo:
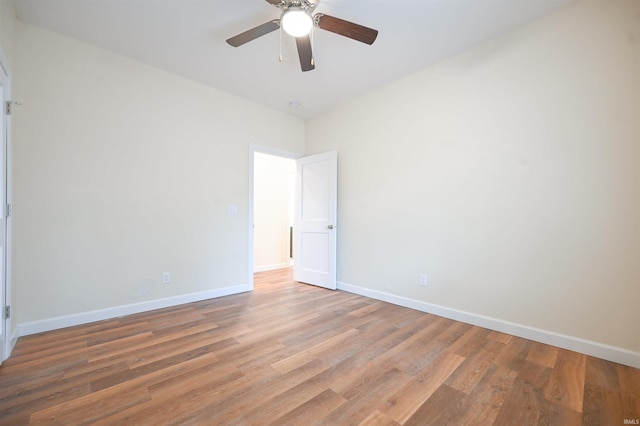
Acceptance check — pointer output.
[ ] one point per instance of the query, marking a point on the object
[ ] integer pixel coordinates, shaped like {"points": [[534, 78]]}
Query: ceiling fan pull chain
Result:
{"points": [[313, 60], [280, 55]]}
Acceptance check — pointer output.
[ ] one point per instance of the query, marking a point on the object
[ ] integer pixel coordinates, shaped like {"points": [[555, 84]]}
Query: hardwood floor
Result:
{"points": [[293, 354]]}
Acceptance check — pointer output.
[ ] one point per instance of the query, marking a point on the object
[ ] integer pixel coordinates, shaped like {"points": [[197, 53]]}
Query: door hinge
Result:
{"points": [[9, 106], [7, 312], [9, 210]]}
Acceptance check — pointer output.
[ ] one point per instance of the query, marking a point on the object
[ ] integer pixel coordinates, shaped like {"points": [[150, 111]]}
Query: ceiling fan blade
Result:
{"points": [[304, 51], [254, 33], [346, 28]]}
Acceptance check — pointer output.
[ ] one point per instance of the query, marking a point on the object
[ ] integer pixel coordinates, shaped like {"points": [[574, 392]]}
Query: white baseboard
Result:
{"points": [[33, 327], [598, 350], [13, 341], [265, 268], [13, 338]]}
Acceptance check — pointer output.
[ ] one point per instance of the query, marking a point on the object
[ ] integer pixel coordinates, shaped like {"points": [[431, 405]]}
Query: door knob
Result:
{"points": [[330, 226]]}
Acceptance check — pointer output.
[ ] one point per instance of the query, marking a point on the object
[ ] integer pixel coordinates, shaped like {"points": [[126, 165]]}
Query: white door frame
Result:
{"points": [[253, 148], [9, 341]]}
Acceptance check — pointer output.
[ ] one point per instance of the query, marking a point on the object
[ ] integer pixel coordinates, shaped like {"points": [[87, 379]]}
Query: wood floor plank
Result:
{"points": [[311, 410], [42, 398], [178, 394], [376, 418], [198, 373], [373, 395], [536, 375], [154, 367], [629, 380], [567, 381], [174, 407], [35, 342], [405, 402], [287, 399], [499, 337], [303, 357], [468, 375], [59, 388], [423, 339], [441, 408], [27, 360], [124, 345], [89, 408], [486, 400], [601, 394], [543, 354], [76, 354], [197, 338], [368, 308], [241, 401], [117, 333], [471, 342], [514, 354], [524, 405], [289, 353]]}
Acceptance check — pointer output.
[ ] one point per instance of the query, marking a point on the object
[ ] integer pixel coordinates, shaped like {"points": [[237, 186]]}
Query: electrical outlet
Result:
{"points": [[423, 280], [166, 277]]}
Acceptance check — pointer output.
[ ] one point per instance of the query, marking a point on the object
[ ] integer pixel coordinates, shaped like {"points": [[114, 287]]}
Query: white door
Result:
{"points": [[315, 224]]}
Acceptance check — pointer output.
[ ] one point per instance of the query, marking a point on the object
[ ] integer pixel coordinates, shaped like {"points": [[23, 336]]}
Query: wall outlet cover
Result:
{"points": [[423, 280]]}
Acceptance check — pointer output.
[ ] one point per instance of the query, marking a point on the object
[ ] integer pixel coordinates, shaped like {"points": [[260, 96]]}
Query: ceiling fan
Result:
{"points": [[297, 20]]}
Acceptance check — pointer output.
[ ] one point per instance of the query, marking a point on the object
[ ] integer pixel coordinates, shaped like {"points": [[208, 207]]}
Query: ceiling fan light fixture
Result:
{"points": [[296, 21]]}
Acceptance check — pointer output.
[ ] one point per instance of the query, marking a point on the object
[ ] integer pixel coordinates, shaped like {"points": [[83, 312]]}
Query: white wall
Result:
{"points": [[509, 174], [7, 29], [122, 172], [272, 201]]}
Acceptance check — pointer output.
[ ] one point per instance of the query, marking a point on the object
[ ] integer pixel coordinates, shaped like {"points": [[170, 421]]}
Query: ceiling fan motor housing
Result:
{"points": [[296, 21]]}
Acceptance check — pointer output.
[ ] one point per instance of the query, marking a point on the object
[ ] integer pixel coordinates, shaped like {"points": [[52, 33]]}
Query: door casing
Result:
{"points": [[5, 219], [250, 226]]}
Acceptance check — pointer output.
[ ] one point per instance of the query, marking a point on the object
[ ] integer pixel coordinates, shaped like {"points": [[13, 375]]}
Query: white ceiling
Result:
{"points": [[187, 37]]}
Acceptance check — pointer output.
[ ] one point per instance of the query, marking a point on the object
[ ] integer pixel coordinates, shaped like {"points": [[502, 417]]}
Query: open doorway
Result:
{"points": [[313, 208], [273, 209]]}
